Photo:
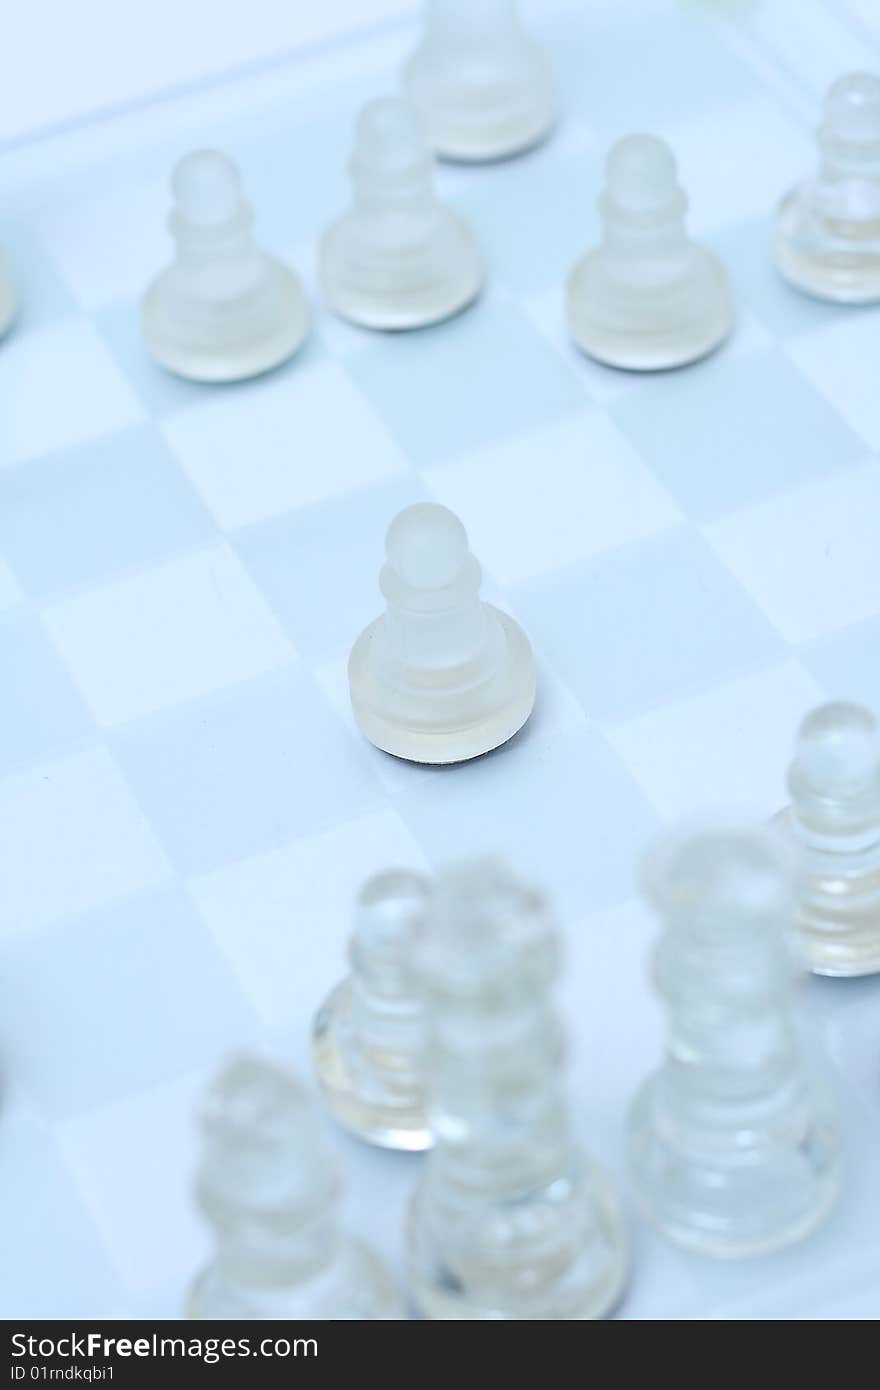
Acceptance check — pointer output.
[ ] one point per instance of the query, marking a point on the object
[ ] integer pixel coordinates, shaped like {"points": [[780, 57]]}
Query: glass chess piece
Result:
{"points": [[733, 1143], [510, 1219], [441, 676], [647, 297], [223, 310], [828, 227], [7, 297], [268, 1188], [367, 1036], [833, 821], [399, 258], [482, 85]]}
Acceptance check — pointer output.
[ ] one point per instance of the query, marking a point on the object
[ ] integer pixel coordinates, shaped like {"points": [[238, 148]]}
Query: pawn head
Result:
{"points": [[390, 131], [852, 107], [641, 173], [389, 905], [206, 187], [719, 875], [426, 546], [837, 751]]}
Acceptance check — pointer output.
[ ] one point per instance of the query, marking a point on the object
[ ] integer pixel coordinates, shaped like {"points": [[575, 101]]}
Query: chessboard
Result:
{"points": [[186, 806]]}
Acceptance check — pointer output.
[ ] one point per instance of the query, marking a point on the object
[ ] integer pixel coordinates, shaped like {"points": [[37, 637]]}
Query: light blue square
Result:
{"points": [[747, 253], [574, 822], [478, 379], [41, 713], [84, 515], [622, 75], [162, 391], [243, 771], [847, 663], [731, 430], [295, 560], [150, 979], [60, 1267], [658, 620]]}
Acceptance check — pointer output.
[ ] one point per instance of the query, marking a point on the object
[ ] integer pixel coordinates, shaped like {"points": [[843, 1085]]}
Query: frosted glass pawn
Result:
{"points": [[398, 258], [647, 297], [828, 227], [483, 86], [268, 1188], [7, 297], [367, 1036], [510, 1219], [441, 676], [834, 822], [223, 310], [733, 1144]]}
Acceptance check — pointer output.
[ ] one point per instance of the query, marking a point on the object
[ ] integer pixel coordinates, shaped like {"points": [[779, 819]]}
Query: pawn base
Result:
{"points": [[215, 349], [469, 124], [415, 299], [650, 342], [842, 270], [355, 1286], [438, 745], [388, 1125]]}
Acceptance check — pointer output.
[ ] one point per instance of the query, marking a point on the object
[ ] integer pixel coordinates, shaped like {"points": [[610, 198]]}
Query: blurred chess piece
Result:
{"points": [[7, 297], [367, 1037], [268, 1187], [510, 1219], [483, 86], [834, 822], [224, 310], [441, 676], [647, 297], [399, 258], [733, 1144], [828, 227]]}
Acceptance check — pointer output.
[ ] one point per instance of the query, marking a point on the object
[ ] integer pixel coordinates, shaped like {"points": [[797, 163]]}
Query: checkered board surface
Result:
{"points": [[186, 807]]}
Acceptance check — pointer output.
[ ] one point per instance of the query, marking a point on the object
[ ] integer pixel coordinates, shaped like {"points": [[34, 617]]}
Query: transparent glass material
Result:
{"points": [[828, 228], [398, 258], [510, 1220], [834, 823], [733, 1143], [268, 1188], [646, 297], [7, 297], [441, 676], [224, 310], [482, 85], [367, 1036]]}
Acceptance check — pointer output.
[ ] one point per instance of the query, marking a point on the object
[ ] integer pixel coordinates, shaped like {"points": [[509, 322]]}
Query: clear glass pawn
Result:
{"points": [[483, 86], [647, 297], [833, 821], [7, 297], [399, 258], [828, 227], [733, 1143], [223, 310], [367, 1036], [268, 1187], [510, 1220]]}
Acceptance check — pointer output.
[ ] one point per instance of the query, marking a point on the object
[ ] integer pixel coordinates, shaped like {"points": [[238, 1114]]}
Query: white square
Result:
{"points": [[810, 558], [168, 634], [283, 918], [110, 245], [282, 442], [728, 748], [563, 493], [714, 153], [841, 362], [133, 1164], [60, 387], [10, 590], [72, 837]]}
